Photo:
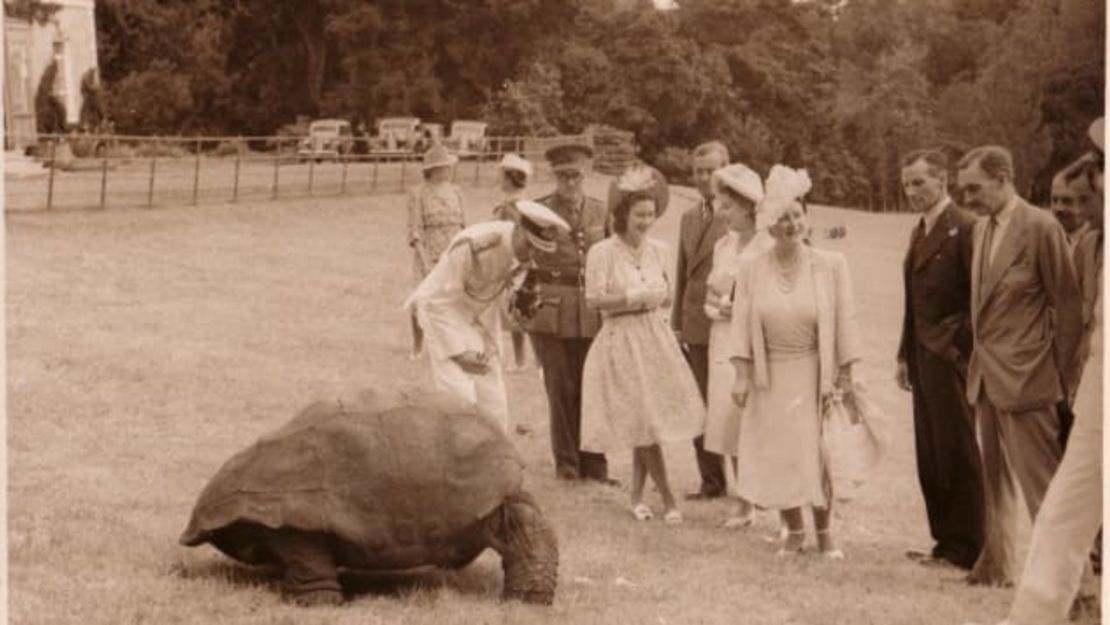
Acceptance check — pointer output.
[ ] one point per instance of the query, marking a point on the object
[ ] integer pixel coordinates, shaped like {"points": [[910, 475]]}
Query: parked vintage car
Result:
{"points": [[431, 134], [327, 139], [397, 136], [467, 138]]}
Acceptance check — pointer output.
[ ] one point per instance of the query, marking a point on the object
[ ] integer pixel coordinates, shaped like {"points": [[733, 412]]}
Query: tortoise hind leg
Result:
{"points": [[308, 562], [528, 547]]}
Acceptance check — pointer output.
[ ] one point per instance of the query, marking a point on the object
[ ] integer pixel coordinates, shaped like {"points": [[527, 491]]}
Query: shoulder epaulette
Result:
{"points": [[484, 242]]}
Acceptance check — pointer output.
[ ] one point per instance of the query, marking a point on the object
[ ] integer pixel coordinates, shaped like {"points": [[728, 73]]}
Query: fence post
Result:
{"points": [[235, 184], [150, 187], [404, 160], [312, 164], [104, 180], [196, 174], [343, 177], [50, 180], [374, 174], [277, 164]]}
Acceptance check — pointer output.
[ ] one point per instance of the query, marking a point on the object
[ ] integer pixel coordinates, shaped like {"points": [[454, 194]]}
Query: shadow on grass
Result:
{"points": [[477, 580], [228, 572]]}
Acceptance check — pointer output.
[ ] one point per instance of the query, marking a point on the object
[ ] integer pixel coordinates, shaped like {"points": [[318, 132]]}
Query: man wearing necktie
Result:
{"points": [[563, 328], [698, 232], [1026, 321], [932, 363]]}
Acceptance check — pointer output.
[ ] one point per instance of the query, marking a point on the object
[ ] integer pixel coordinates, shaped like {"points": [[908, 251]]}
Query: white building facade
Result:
{"points": [[68, 38]]}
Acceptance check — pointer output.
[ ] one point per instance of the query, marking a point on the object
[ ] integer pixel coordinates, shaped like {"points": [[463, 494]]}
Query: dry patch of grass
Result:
{"points": [[145, 347]]}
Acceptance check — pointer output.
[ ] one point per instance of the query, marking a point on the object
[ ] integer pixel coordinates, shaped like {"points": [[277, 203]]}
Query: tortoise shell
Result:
{"points": [[389, 477]]}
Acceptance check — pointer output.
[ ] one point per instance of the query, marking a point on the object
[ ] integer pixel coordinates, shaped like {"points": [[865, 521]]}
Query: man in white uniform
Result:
{"points": [[457, 302]]}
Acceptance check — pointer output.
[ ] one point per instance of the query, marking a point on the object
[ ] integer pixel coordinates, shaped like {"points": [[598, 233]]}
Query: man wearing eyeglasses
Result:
{"points": [[562, 328]]}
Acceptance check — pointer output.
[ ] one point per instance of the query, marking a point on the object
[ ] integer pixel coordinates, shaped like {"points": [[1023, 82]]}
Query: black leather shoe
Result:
{"points": [[702, 496], [566, 473]]}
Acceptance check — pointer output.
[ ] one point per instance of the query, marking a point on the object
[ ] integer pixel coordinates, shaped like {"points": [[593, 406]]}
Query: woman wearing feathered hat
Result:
{"points": [[795, 334], [436, 215], [739, 191], [637, 390]]}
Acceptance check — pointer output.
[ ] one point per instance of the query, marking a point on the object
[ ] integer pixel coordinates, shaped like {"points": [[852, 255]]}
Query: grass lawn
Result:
{"points": [[147, 346]]}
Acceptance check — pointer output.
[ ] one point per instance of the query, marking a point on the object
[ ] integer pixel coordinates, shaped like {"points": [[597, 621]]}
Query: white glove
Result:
{"points": [[655, 298]]}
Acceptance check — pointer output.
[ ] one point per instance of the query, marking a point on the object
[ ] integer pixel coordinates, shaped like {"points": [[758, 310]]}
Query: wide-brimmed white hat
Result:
{"points": [[514, 162], [540, 224], [438, 156], [741, 179]]}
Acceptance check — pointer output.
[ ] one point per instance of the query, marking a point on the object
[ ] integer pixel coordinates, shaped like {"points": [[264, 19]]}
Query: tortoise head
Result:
{"points": [[529, 551]]}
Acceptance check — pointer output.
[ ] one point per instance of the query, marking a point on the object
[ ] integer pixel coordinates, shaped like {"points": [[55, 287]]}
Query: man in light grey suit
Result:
{"points": [[1027, 321]]}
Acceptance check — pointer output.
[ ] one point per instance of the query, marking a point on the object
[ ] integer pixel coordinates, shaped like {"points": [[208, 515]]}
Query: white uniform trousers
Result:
{"points": [[1070, 515]]}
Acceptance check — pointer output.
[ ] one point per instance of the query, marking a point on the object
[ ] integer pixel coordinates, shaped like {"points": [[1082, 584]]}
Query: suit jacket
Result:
{"points": [[1025, 314], [937, 285], [838, 340], [696, 239], [562, 283], [1087, 259]]}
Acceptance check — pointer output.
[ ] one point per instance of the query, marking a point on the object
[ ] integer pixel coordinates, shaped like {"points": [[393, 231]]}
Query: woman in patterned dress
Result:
{"points": [[739, 190], [793, 323], [637, 390], [436, 215]]}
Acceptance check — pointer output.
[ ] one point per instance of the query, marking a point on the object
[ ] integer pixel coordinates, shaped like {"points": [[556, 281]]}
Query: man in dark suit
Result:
{"points": [[1026, 320], [562, 328], [699, 230], [932, 362]]}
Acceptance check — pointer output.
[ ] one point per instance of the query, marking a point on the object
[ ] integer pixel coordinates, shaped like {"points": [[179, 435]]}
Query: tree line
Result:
{"points": [[842, 87]]}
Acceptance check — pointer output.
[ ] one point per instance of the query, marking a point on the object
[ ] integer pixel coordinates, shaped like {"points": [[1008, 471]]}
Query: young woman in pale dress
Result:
{"points": [[795, 335], [435, 216], [738, 189], [637, 390]]}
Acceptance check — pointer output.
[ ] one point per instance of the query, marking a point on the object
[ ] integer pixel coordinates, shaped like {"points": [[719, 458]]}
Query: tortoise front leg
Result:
{"points": [[528, 547]]}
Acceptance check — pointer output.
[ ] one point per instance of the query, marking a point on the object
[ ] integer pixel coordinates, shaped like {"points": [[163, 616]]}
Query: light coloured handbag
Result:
{"points": [[852, 440]]}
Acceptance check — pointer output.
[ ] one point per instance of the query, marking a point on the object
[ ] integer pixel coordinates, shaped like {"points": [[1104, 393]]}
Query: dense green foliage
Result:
{"points": [[843, 87]]}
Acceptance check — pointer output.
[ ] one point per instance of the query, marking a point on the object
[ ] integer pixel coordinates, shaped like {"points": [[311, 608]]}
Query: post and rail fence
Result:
{"points": [[83, 171]]}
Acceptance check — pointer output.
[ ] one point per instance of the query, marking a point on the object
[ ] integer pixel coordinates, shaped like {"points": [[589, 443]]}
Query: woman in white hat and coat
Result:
{"points": [[795, 341], [739, 191], [435, 216]]}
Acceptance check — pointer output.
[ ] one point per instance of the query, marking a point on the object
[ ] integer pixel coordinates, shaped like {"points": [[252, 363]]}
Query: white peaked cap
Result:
{"points": [[540, 215]]}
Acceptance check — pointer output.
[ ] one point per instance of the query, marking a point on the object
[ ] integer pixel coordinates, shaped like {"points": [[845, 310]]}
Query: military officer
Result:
{"points": [[562, 328], [457, 302]]}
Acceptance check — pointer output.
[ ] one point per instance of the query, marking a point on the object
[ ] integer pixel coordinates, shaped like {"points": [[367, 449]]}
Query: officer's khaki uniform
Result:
{"points": [[563, 328]]}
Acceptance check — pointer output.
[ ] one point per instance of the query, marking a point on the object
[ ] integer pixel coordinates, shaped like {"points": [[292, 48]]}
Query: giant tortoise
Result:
{"points": [[385, 485]]}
